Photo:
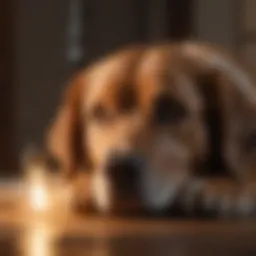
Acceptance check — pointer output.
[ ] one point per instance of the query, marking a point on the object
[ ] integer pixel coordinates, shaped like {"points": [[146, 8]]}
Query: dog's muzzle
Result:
{"points": [[116, 187], [125, 175]]}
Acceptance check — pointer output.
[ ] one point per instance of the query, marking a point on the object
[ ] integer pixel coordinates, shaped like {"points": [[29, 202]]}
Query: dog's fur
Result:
{"points": [[184, 111]]}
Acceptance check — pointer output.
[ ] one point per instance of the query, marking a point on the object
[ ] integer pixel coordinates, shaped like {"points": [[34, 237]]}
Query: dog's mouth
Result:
{"points": [[150, 195], [124, 187], [110, 195]]}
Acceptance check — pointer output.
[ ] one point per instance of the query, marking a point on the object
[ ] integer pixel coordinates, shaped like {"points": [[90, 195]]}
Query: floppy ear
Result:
{"points": [[231, 92], [65, 140], [240, 119]]}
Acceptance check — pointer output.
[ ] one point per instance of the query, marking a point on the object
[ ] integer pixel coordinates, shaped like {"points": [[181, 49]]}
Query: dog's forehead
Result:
{"points": [[112, 69], [154, 60], [154, 69], [162, 71], [109, 73], [99, 77]]}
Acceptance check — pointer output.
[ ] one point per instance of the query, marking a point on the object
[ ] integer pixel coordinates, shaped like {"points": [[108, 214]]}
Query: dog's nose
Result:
{"points": [[124, 171]]}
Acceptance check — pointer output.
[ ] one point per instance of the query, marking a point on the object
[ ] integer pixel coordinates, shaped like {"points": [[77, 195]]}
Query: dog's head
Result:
{"points": [[134, 122], [143, 129]]}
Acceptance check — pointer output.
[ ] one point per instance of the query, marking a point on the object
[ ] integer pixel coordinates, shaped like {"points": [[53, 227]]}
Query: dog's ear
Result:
{"points": [[230, 97], [240, 120], [65, 138]]}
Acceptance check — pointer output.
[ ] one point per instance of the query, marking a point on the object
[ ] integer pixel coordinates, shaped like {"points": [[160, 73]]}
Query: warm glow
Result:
{"points": [[38, 241], [38, 189], [39, 198]]}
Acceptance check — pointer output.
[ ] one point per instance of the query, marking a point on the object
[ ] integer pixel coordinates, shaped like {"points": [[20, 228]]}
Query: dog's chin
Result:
{"points": [[157, 193], [160, 191], [101, 193], [159, 199]]}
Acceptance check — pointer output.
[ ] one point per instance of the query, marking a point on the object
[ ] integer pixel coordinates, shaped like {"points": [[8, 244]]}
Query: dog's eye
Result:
{"points": [[168, 110], [250, 143], [100, 114]]}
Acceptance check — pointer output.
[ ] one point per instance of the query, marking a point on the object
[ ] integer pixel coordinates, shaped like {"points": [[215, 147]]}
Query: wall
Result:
{"points": [[215, 21], [41, 64]]}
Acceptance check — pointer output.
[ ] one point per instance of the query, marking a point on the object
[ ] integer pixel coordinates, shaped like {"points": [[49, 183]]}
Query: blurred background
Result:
{"points": [[44, 41]]}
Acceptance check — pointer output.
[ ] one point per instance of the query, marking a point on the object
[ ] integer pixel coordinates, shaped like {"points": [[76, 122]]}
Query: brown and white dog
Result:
{"points": [[153, 127]]}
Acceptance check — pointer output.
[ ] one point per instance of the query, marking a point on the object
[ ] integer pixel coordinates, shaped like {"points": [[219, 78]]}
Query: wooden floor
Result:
{"points": [[91, 236], [27, 235]]}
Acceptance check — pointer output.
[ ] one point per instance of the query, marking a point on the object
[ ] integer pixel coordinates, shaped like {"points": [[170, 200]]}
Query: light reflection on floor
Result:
{"points": [[125, 237], [39, 241], [60, 233]]}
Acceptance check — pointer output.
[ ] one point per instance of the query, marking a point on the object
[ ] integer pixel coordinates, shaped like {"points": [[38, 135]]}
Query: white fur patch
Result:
{"points": [[101, 189], [167, 170], [159, 191]]}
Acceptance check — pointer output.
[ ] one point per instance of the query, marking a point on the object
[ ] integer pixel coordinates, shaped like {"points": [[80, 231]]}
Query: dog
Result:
{"points": [[160, 127]]}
